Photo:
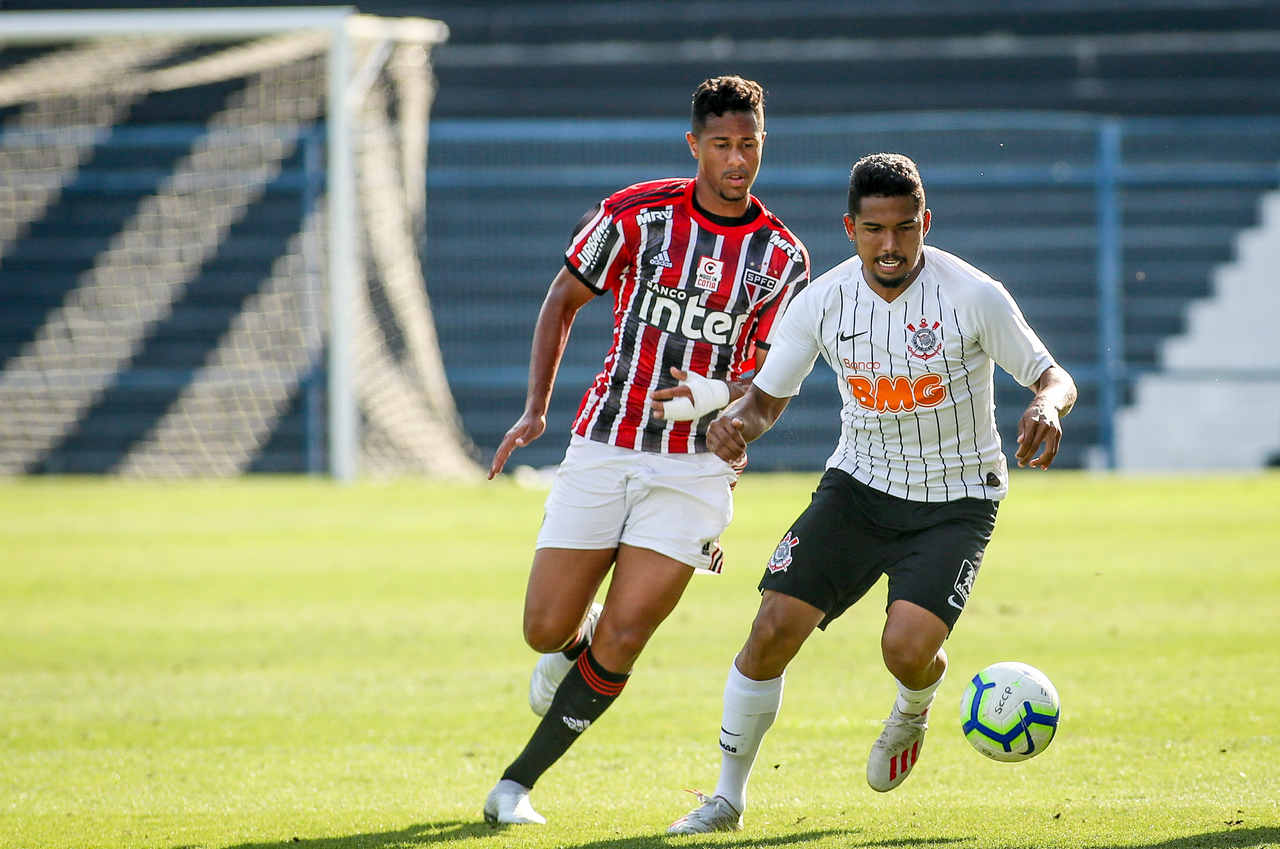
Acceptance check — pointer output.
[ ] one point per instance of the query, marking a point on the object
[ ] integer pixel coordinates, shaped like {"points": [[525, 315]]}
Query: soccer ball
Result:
{"points": [[1009, 711]]}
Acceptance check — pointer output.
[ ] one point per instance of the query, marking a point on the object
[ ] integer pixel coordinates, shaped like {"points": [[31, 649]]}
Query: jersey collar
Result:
{"points": [[722, 223]]}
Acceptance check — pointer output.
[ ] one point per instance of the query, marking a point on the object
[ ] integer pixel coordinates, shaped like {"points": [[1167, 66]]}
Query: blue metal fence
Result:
{"points": [[1102, 227], [1069, 210]]}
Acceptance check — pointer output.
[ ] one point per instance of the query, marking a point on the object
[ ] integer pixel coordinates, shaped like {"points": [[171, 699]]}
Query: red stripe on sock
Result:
{"points": [[595, 682]]}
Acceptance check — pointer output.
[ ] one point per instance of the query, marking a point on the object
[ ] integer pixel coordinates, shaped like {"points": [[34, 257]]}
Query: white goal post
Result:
{"points": [[349, 275]]}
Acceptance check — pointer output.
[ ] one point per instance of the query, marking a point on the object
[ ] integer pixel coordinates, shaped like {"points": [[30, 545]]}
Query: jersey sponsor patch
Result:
{"points": [[897, 394], [710, 270], [787, 248], [590, 252], [672, 310]]}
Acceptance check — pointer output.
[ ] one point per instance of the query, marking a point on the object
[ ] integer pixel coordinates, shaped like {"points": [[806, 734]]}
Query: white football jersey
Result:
{"points": [[915, 375]]}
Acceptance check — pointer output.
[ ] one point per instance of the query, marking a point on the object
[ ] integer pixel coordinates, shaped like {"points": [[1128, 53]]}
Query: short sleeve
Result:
{"points": [[794, 347], [594, 248], [1009, 339]]}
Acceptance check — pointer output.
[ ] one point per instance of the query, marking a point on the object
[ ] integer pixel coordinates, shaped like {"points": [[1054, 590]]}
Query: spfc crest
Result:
{"points": [[781, 558], [924, 341], [758, 284]]}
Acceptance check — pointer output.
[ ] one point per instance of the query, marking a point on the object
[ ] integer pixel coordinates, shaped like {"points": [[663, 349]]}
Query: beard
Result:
{"points": [[897, 280], [732, 194]]}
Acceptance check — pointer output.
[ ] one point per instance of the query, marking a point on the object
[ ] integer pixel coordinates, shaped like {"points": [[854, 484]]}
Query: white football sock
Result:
{"points": [[749, 709], [915, 702]]}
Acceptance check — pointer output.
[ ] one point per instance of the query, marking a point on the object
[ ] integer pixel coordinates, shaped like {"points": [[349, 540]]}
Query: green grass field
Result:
{"points": [[276, 663]]}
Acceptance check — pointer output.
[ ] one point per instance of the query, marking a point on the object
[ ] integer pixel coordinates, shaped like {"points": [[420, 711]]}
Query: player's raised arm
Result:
{"points": [[1042, 420], [565, 297]]}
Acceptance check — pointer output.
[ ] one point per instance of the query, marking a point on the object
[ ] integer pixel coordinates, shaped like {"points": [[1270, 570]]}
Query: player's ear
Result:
{"points": [[925, 223], [693, 144], [849, 229]]}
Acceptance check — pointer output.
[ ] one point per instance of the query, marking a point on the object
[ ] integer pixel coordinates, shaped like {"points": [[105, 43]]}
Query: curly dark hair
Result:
{"points": [[719, 95], [884, 175]]}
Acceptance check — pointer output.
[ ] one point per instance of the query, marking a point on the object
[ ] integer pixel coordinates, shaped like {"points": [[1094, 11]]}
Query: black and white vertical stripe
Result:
{"points": [[918, 451]]}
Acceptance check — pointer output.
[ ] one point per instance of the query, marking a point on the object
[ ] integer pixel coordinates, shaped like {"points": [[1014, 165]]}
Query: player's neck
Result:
{"points": [[720, 210]]}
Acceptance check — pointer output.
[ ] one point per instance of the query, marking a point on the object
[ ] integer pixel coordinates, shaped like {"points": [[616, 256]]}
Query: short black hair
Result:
{"points": [[718, 95], [884, 175]]}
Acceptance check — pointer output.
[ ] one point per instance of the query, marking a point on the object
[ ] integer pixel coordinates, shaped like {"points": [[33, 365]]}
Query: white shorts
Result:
{"points": [[603, 495]]}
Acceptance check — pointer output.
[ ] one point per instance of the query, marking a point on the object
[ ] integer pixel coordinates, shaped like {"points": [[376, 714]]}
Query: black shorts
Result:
{"points": [[851, 534]]}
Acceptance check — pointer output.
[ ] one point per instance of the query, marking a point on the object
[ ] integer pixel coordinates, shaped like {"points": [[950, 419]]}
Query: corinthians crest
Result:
{"points": [[781, 558], [924, 341]]}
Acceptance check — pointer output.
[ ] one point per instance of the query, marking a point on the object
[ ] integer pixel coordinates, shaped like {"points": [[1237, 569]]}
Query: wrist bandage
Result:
{"points": [[708, 396]]}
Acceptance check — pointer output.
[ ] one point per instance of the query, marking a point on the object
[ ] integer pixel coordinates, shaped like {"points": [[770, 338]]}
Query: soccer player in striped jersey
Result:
{"points": [[699, 272], [911, 491]]}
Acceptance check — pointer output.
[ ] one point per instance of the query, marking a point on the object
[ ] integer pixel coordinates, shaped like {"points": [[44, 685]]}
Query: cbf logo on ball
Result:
{"points": [[924, 341]]}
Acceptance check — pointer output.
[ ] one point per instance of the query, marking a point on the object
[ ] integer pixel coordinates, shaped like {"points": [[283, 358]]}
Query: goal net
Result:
{"points": [[212, 229]]}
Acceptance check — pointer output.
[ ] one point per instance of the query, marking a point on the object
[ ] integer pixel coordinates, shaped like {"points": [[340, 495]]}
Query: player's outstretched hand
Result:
{"points": [[529, 428], [1039, 424], [725, 438]]}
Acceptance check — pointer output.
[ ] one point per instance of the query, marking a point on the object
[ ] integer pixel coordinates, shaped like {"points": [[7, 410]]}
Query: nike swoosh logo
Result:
{"points": [[845, 337]]}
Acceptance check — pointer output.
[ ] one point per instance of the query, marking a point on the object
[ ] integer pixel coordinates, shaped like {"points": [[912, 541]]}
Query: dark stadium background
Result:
{"points": [[918, 76]]}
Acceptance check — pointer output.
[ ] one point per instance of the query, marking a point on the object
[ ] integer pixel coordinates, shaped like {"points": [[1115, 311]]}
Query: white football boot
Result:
{"points": [[551, 668], [713, 814], [508, 804], [895, 752]]}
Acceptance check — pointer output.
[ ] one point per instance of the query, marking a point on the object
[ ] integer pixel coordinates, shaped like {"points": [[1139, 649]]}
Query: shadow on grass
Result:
{"points": [[1231, 838], [429, 834]]}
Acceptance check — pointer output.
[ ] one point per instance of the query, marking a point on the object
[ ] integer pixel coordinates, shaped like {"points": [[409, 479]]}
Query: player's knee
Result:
{"points": [[906, 655], [546, 633], [617, 644]]}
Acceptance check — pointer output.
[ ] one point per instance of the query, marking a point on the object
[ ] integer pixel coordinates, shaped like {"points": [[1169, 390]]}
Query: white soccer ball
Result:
{"points": [[1010, 711]]}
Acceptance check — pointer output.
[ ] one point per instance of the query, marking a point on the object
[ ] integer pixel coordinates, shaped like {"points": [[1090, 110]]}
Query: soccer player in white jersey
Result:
{"points": [[911, 491], [699, 270]]}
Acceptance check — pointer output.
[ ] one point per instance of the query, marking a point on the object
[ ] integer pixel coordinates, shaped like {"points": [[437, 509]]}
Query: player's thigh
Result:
{"points": [[679, 506], [562, 584], [645, 588], [830, 556], [939, 563]]}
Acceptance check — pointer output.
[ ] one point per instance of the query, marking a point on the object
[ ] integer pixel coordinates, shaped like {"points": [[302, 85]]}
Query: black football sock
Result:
{"points": [[577, 647], [584, 694]]}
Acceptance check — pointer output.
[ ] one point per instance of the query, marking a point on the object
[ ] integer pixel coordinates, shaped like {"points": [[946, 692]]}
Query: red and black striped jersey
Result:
{"points": [[690, 289]]}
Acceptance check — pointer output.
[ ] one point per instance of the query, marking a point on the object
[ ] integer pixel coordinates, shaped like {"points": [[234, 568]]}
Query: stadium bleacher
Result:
{"points": [[488, 261], [1148, 61]]}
